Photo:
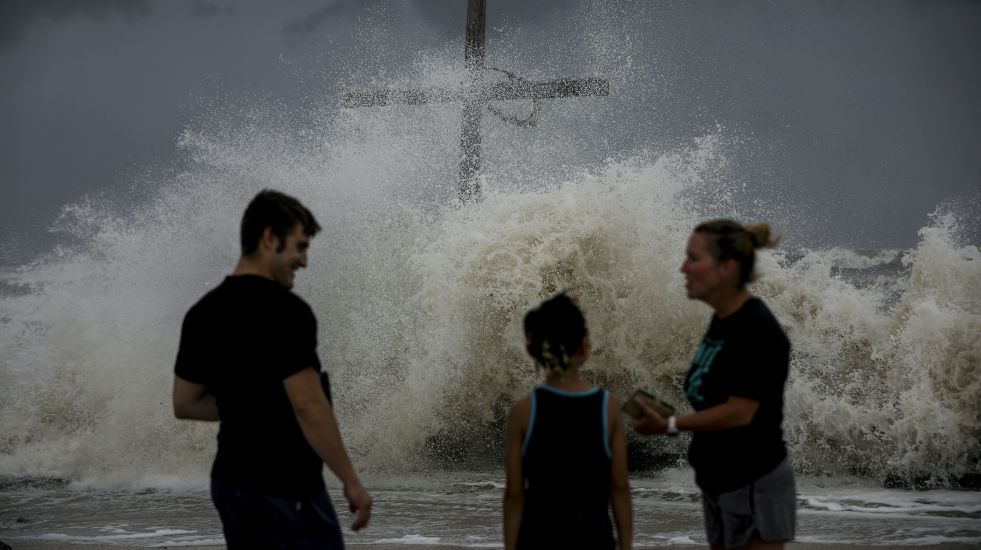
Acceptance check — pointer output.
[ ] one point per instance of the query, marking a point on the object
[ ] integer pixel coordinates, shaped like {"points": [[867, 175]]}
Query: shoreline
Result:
{"points": [[462, 510], [27, 544]]}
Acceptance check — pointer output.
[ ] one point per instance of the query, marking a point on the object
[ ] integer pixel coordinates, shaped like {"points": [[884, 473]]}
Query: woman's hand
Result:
{"points": [[649, 423], [735, 412]]}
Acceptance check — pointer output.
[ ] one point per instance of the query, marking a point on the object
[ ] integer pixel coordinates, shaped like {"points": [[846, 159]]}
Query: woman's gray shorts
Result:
{"points": [[767, 507]]}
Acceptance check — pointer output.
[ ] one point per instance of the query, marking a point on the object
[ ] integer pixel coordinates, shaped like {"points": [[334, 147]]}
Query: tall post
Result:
{"points": [[470, 136], [475, 95]]}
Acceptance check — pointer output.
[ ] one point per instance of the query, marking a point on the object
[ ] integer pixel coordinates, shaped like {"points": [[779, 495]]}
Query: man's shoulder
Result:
{"points": [[257, 295], [224, 292], [289, 308], [204, 303], [296, 303]]}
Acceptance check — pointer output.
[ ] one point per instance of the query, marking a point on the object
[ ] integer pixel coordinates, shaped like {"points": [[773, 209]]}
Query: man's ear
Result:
{"points": [[269, 240]]}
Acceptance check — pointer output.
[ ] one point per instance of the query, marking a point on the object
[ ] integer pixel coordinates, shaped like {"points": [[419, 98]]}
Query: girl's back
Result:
{"points": [[565, 452], [566, 459]]}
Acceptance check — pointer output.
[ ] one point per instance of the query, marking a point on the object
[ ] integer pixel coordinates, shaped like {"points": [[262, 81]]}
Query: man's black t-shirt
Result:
{"points": [[746, 355], [241, 340]]}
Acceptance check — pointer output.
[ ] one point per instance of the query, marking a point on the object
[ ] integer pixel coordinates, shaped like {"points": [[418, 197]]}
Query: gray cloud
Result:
{"points": [[315, 20], [17, 15], [214, 8], [845, 107]]}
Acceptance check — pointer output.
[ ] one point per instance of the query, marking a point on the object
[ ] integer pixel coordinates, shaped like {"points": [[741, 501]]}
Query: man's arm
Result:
{"points": [[193, 402], [316, 419]]}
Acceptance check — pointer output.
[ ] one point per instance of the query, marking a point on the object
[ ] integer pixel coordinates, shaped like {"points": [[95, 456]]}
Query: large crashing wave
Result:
{"points": [[420, 302]]}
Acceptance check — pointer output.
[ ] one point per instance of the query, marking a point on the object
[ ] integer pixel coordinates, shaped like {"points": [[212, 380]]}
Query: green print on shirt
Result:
{"points": [[706, 353]]}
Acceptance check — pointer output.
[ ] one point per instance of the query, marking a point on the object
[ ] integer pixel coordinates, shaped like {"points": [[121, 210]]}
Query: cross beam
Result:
{"points": [[475, 94], [520, 89]]}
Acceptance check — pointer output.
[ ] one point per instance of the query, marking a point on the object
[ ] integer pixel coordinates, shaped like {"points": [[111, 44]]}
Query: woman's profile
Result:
{"points": [[736, 385]]}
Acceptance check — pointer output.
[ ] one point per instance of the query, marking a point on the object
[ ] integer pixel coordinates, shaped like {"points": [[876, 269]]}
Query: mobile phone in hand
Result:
{"points": [[663, 408]]}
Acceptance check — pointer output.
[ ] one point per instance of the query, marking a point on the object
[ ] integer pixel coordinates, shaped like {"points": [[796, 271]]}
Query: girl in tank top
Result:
{"points": [[566, 453]]}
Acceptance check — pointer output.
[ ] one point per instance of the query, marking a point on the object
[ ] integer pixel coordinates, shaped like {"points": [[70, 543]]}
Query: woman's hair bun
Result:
{"points": [[760, 235]]}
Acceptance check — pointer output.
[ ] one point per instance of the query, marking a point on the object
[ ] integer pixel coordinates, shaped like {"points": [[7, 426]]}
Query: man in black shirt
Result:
{"points": [[247, 358]]}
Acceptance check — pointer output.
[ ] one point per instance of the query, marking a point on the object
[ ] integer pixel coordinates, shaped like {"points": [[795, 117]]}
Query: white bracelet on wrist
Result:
{"points": [[672, 426]]}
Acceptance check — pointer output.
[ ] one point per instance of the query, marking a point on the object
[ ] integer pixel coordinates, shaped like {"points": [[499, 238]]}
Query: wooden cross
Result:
{"points": [[475, 94]]}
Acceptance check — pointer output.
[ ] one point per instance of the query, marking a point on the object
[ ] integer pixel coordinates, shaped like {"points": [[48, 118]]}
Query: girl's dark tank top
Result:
{"points": [[566, 464]]}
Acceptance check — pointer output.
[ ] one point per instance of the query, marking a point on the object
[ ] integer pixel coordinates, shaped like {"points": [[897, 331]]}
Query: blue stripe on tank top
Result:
{"points": [[566, 393], [531, 423], [606, 424], [583, 393]]}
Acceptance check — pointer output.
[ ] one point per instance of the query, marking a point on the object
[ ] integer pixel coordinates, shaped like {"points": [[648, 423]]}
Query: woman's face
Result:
{"points": [[703, 274]]}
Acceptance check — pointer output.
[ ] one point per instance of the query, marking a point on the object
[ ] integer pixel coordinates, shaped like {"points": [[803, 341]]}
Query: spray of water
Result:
{"points": [[420, 299]]}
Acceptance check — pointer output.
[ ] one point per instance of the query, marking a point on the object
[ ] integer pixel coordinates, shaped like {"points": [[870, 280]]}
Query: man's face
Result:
{"points": [[290, 256]]}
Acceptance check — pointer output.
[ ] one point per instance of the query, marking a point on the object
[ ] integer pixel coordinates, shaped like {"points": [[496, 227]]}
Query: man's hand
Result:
{"points": [[359, 503], [316, 418], [649, 423]]}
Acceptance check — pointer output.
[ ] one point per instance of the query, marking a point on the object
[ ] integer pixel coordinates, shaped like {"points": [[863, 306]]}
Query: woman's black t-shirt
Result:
{"points": [[746, 355]]}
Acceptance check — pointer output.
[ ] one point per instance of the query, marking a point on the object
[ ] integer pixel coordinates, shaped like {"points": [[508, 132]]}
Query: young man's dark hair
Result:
{"points": [[280, 213]]}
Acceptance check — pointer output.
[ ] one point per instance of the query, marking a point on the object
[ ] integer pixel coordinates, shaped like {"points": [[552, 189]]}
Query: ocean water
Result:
{"points": [[463, 509], [419, 300]]}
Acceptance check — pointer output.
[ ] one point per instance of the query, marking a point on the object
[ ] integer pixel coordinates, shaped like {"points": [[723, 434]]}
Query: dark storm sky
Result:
{"points": [[872, 109]]}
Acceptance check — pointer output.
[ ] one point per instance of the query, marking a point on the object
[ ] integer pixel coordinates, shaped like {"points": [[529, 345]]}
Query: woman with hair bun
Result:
{"points": [[736, 386], [566, 452]]}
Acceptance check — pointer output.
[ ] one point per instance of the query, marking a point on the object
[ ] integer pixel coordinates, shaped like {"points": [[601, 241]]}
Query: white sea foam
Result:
{"points": [[481, 484], [113, 535], [181, 542], [420, 300], [411, 539], [836, 257]]}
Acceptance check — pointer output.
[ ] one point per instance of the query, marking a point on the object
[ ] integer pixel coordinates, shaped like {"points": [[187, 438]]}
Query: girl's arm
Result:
{"points": [[619, 485], [514, 494]]}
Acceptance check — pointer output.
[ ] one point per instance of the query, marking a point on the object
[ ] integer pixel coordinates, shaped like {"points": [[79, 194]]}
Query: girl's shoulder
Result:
{"points": [[612, 404], [521, 406]]}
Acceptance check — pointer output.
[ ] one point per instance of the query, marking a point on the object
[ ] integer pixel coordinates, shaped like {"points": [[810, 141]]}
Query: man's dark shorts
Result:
{"points": [[257, 521], [766, 507]]}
